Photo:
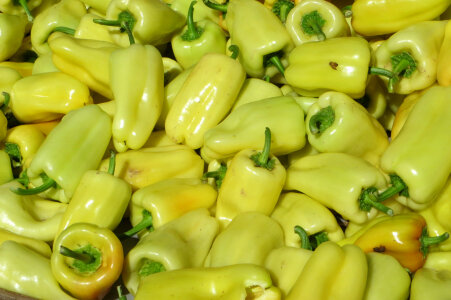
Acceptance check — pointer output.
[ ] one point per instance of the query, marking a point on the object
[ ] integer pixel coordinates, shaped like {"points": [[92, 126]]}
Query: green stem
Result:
{"points": [[146, 222], [65, 30], [381, 72], [322, 120], [347, 11], [216, 6], [235, 51], [426, 241], [125, 21], [275, 60], [24, 4], [192, 33], [397, 186], [47, 183], [261, 159], [119, 293], [5, 104], [150, 267], [368, 198], [319, 238], [218, 175], [305, 241], [84, 257], [312, 24], [112, 162]]}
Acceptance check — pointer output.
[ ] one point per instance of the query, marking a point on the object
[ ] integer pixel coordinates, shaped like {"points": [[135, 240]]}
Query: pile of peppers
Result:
{"points": [[228, 149]]}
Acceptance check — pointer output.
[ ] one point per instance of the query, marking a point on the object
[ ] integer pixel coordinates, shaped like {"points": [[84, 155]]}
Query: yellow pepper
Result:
{"points": [[430, 284], [24, 68], [38, 246], [438, 261], [44, 64], [12, 31], [87, 29], [6, 172], [444, 58], [255, 89], [9, 76]]}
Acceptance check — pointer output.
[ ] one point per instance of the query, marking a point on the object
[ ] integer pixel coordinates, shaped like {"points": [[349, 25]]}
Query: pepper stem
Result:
{"points": [[5, 104], [275, 60], [146, 222], [119, 293], [322, 120], [125, 21], [84, 257], [65, 30], [347, 11], [312, 24], [261, 159], [368, 198], [218, 175], [24, 4], [216, 6], [193, 32], [397, 186], [305, 241], [235, 51], [112, 162], [426, 241], [47, 183]]}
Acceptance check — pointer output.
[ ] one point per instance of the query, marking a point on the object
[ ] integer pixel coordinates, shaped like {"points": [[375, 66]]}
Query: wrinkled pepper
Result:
{"points": [[28, 272], [136, 78], [316, 20], [253, 182], [73, 147], [331, 122], [353, 184], [36, 98], [423, 173], [205, 98], [236, 282], [179, 244], [243, 127], [444, 58], [430, 284], [87, 260], [12, 31]]}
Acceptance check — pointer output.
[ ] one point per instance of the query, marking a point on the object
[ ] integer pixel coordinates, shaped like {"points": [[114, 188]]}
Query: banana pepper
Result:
{"points": [[430, 284], [37, 98], [404, 236], [87, 260], [205, 98], [27, 272], [444, 58], [411, 54], [73, 147], [12, 31], [377, 17], [332, 272], [236, 282], [423, 173], [179, 244], [316, 20], [136, 78], [331, 125], [353, 184]]}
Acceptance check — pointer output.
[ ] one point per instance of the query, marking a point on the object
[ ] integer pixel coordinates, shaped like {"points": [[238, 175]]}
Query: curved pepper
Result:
{"points": [[88, 29], [315, 20], [179, 244], [87, 260], [44, 64], [255, 89], [236, 282], [205, 98], [331, 125], [38, 246], [444, 58], [377, 17], [136, 78], [36, 98], [6, 172], [12, 31], [352, 184], [430, 284], [424, 172], [24, 68], [9, 76], [28, 272]]}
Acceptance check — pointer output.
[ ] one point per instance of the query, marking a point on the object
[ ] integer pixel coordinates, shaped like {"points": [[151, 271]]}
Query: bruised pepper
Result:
{"points": [[253, 182], [419, 176], [136, 78], [87, 260]]}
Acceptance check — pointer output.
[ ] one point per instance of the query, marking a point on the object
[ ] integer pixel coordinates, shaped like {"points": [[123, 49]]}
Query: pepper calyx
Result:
{"points": [[426, 241], [368, 199], [146, 223], [261, 159], [312, 24], [150, 267], [87, 259], [322, 120]]}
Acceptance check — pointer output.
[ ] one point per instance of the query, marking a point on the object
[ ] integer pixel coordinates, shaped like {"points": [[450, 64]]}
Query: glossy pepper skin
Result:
{"points": [[425, 173], [258, 33], [36, 98], [444, 58], [370, 18], [247, 239], [315, 20], [86, 60], [38, 246], [236, 282], [73, 147], [205, 98], [315, 68], [298, 209], [146, 166], [430, 284], [402, 236], [179, 244], [331, 125], [421, 42], [66, 13], [438, 261], [332, 272], [24, 68], [28, 272], [348, 178], [44, 64], [88, 29], [9, 77], [12, 31], [136, 78], [6, 173], [243, 127], [255, 89], [29, 216], [90, 280]]}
